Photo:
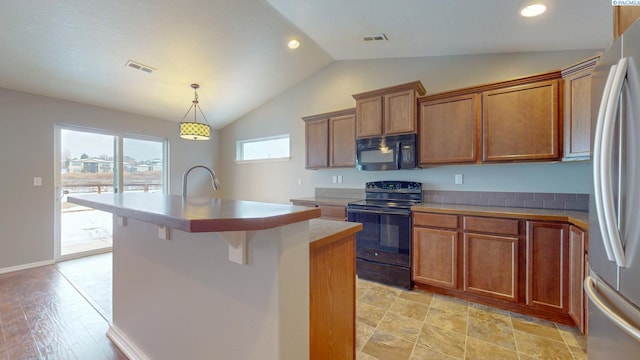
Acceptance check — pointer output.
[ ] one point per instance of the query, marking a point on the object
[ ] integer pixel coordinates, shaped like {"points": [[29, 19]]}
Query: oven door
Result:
{"points": [[385, 236]]}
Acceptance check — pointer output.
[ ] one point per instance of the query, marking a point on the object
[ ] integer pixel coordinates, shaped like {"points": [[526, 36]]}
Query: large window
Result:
{"points": [[268, 148]]}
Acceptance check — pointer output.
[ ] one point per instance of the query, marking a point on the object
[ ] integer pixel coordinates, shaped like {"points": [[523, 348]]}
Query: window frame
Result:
{"points": [[240, 149]]}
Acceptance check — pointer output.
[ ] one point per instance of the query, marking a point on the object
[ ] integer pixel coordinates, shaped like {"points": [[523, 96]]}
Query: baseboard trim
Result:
{"points": [[84, 254], [26, 266], [124, 344]]}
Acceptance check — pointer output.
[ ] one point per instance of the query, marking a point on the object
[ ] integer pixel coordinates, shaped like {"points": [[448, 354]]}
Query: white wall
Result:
{"points": [[331, 89], [27, 125]]}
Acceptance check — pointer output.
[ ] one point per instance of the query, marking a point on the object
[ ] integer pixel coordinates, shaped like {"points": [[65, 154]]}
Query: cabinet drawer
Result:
{"points": [[491, 225], [435, 220], [338, 212]]}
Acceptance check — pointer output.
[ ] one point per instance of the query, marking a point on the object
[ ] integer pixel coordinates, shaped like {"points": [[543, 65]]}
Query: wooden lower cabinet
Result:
{"points": [[547, 265], [491, 266], [577, 272], [526, 266], [435, 260], [332, 313]]}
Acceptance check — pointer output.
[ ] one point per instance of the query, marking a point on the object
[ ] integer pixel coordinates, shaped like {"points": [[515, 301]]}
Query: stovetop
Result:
{"points": [[390, 194]]}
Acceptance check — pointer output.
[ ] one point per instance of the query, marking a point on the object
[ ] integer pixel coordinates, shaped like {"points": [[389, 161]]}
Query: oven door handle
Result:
{"points": [[379, 212]]}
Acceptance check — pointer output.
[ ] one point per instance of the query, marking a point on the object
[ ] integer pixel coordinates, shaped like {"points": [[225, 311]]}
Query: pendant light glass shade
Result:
{"points": [[193, 130]]}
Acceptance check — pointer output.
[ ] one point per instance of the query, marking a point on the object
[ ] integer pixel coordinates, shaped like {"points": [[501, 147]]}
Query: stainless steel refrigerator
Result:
{"points": [[613, 284]]}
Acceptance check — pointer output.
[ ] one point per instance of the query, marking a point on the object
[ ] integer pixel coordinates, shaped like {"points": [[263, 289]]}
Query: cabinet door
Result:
{"points": [[547, 268], [521, 122], [491, 266], [577, 115], [317, 140], [449, 130], [400, 113], [342, 149], [576, 276], [623, 17], [435, 257], [369, 116]]}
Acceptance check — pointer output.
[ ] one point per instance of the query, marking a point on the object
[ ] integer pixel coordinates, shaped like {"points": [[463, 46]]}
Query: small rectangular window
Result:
{"points": [[267, 148]]}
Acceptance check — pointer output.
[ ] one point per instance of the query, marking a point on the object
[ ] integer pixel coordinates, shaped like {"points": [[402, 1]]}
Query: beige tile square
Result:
{"points": [[417, 295], [482, 350], [410, 309], [401, 326], [536, 326], [385, 346], [443, 341], [449, 304], [364, 356], [363, 332], [572, 336], [369, 314], [423, 353], [541, 347], [578, 353], [485, 313], [492, 331], [451, 321], [380, 296]]}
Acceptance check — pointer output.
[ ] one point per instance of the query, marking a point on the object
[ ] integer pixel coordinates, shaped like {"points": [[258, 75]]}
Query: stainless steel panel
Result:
{"points": [[629, 285], [606, 341], [606, 269]]}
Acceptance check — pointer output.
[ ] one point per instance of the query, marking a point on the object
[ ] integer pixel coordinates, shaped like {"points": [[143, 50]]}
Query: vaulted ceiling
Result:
{"points": [[236, 49]]}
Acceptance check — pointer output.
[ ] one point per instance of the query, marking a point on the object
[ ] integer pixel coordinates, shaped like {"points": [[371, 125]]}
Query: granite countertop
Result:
{"points": [[578, 218], [196, 214], [326, 200], [323, 232]]}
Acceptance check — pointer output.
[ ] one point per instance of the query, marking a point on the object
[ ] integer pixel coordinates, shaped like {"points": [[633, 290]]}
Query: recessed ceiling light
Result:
{"points": [[293, 44], [533, 10]]}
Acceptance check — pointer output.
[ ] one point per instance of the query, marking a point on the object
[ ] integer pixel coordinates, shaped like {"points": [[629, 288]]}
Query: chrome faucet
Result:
{"points": [[214, 179]]}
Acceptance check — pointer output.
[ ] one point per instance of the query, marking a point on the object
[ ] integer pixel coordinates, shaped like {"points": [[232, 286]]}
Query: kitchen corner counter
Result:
{"points": [[578, 218], [197, 214]]}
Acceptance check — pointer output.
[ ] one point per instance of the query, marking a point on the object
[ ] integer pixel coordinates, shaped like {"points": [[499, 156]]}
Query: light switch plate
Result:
{"points": [[37, 181]]}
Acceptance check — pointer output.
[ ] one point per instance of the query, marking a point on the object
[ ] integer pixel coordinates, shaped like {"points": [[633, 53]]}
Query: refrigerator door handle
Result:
{"points": [[608, 133], [597, 156], [593, 287]]}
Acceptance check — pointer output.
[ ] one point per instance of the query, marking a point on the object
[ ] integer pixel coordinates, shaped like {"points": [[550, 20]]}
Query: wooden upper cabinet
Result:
{"points": [[547, 265], [388, 111], [577, 109], [342, 146], [369, 116], [623, 17], [317, 143], [522, 122], [330, 139], [449, 129]]}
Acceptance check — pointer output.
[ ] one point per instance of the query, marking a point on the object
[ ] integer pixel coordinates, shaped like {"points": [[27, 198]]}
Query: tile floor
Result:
{"points": [[407, 325]]}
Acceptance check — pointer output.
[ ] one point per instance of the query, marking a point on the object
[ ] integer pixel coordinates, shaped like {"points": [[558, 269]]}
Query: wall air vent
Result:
{"points": [[377, 37], [138, 66]]}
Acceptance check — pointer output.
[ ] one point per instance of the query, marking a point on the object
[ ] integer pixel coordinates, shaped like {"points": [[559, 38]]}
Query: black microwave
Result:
{"points": [[393, 152]]}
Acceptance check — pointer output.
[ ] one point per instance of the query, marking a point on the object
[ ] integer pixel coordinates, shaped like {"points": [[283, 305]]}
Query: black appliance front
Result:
{"points": [[391, 152], [383, 246]]}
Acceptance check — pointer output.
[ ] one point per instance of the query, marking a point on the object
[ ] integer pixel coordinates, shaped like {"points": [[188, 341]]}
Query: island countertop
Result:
{"points": [[197, 214]]}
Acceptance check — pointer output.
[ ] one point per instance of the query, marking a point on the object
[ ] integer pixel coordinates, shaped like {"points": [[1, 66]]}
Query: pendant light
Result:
{"points": [[193, 130]]}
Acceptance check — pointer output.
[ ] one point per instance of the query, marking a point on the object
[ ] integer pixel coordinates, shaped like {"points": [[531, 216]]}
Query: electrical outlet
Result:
{"points": [[339, 179], [334, 179], [37, 181], [458, 179], [299, 181]]}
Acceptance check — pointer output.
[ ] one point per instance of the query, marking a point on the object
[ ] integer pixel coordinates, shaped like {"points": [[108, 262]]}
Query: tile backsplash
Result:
{"points": [[563, 201]]}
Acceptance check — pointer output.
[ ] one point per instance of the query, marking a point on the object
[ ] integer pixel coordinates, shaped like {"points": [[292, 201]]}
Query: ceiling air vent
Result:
{"points": [[377, 37], [138, 66]]}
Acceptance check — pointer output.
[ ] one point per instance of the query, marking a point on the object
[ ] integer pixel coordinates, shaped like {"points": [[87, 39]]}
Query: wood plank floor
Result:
{"points": [[42, 316]]}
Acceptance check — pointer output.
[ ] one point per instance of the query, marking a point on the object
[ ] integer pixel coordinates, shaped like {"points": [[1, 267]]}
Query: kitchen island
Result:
{"points": [[210, 278]]}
